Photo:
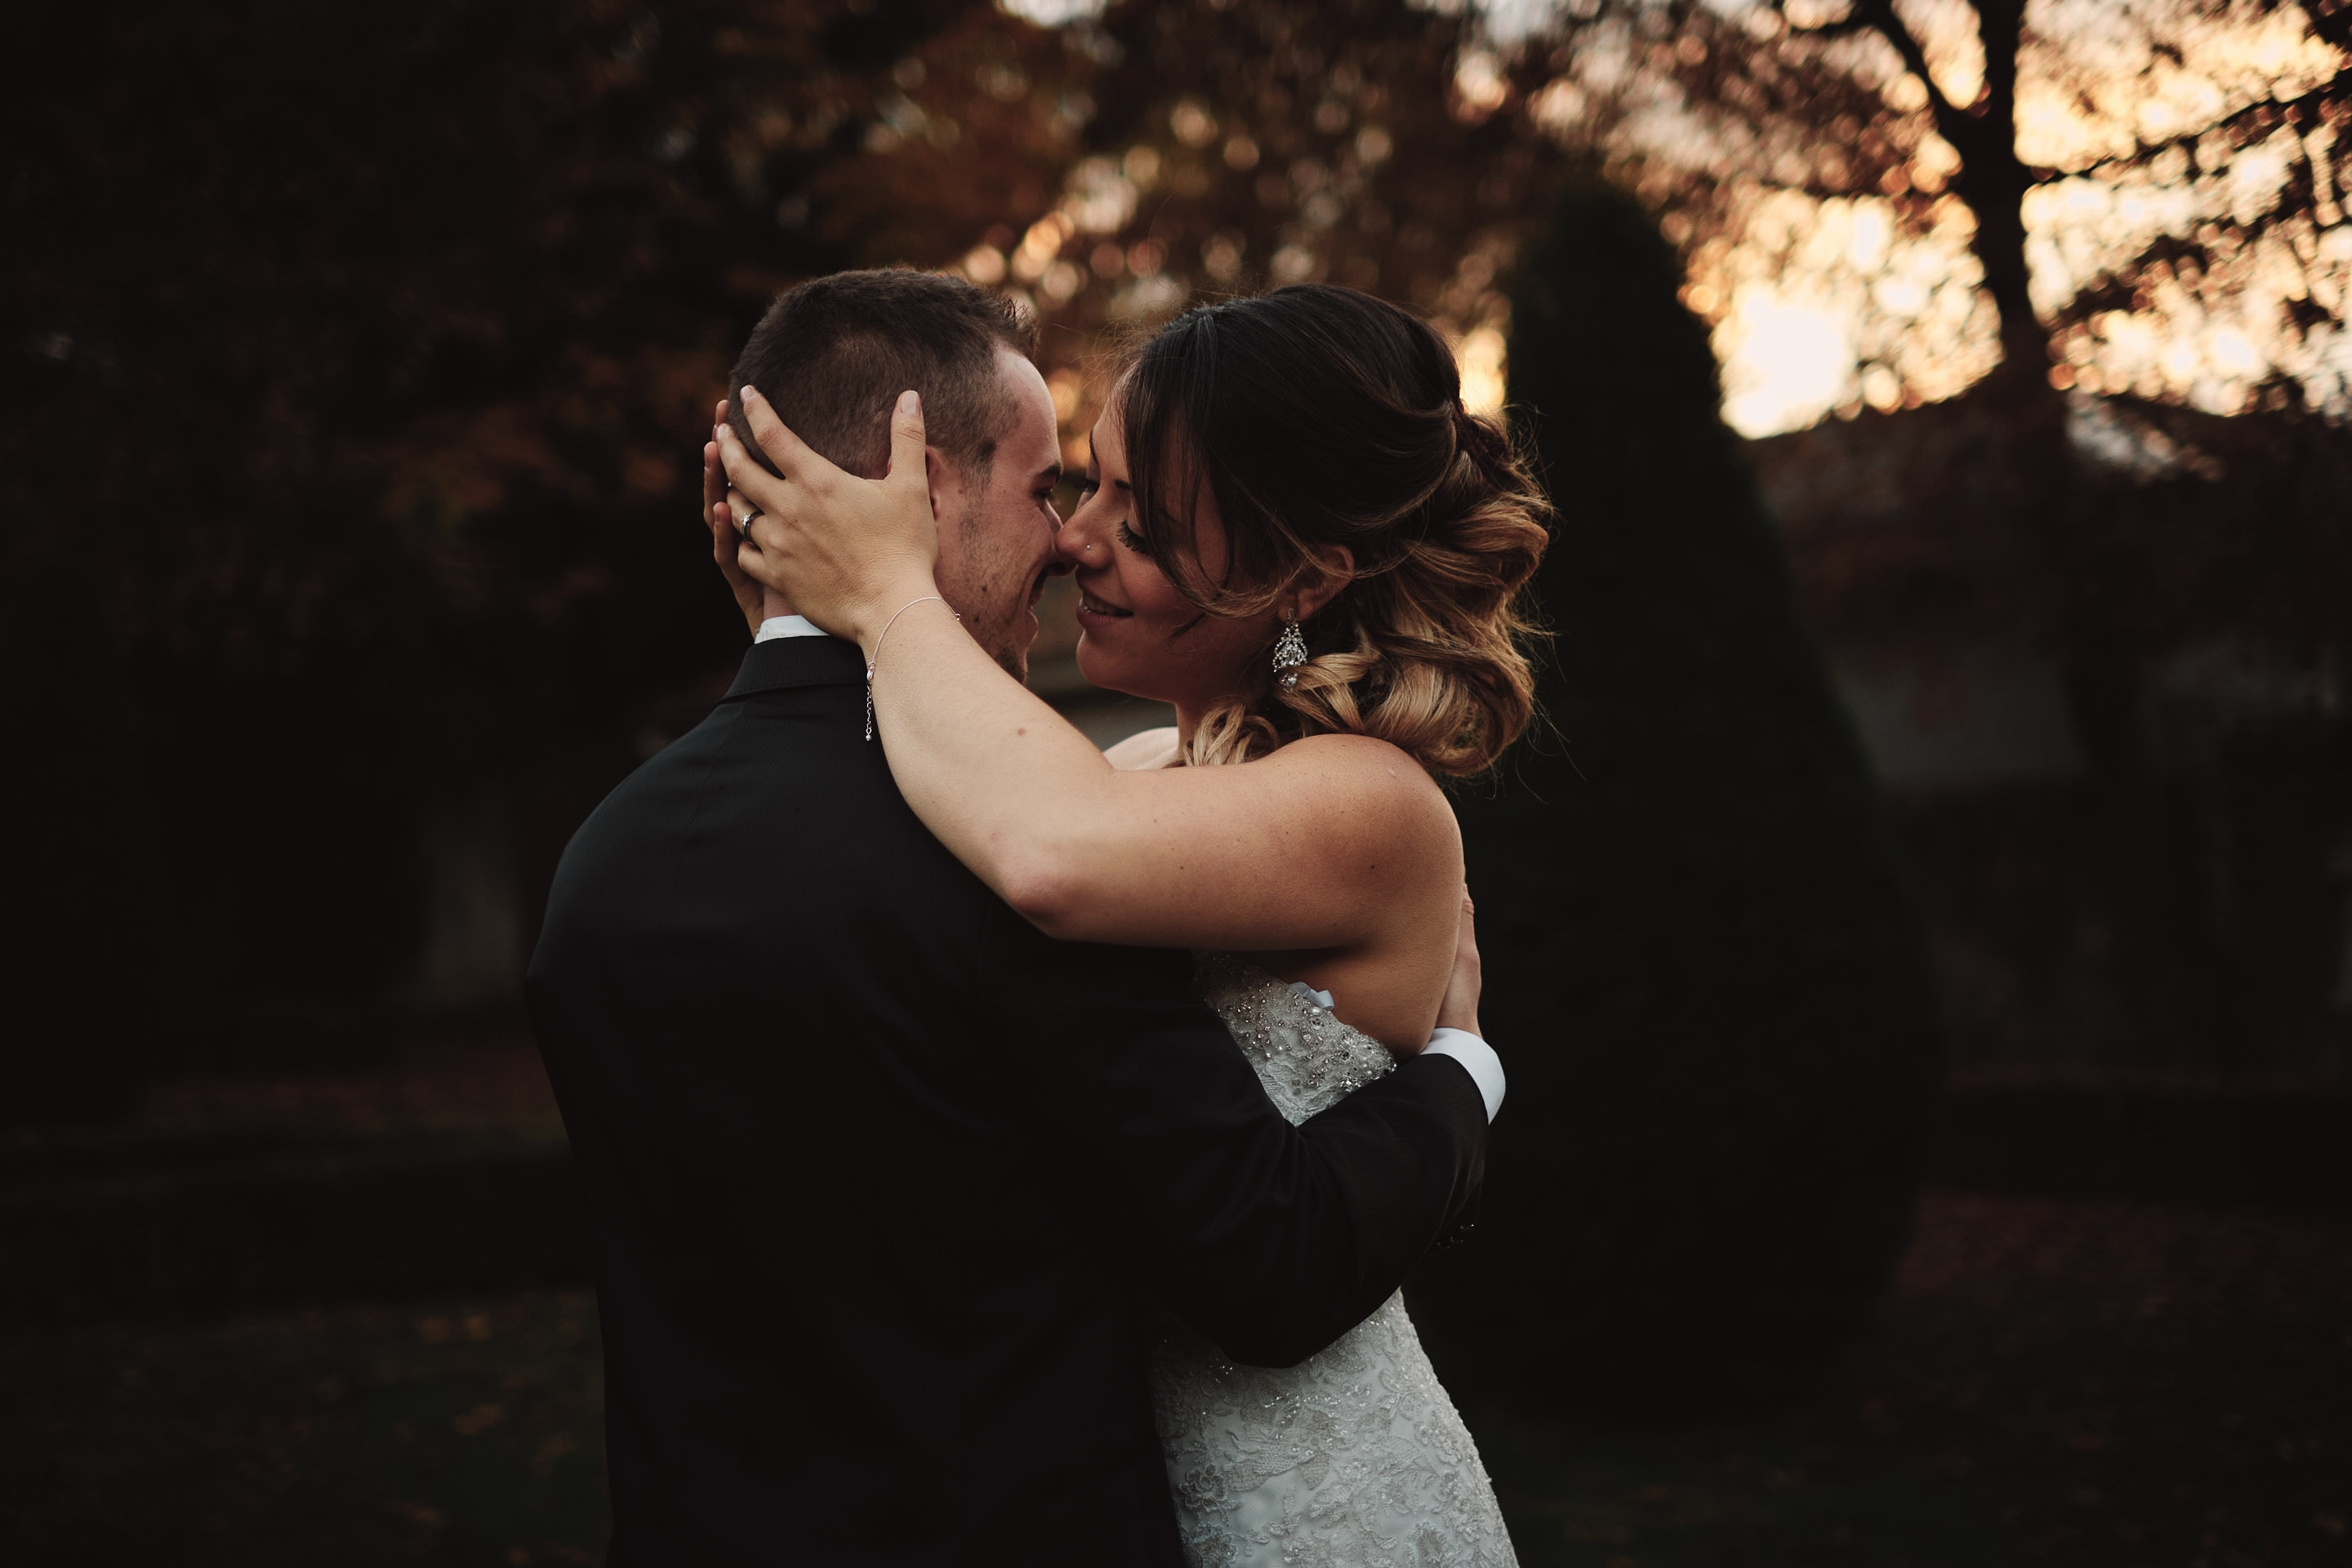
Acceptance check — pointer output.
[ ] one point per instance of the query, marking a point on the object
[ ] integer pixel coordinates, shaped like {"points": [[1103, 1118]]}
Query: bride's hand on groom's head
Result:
{"points": [[845, 551], [719, 518]]}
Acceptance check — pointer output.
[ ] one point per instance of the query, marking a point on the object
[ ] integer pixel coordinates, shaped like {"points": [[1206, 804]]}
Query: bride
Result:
{"points": [[1293, 533]]}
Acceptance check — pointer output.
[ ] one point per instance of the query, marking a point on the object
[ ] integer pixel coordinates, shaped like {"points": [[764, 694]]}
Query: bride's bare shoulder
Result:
{"points": [[1379, 780], [1143, 752]]}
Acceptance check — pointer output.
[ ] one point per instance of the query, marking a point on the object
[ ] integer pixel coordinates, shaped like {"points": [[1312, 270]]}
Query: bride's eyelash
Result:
{"points": [[1088, 487]]}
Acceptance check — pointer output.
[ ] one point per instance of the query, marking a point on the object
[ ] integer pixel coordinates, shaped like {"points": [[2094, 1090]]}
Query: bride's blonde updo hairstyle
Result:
{"points": [[1317, 416]]}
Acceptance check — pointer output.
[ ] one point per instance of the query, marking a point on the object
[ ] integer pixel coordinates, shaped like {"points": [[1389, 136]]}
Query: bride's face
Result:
{"points": [[1136, 633]]}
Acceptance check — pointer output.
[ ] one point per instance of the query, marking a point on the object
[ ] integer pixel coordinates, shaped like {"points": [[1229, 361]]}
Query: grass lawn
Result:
{"points": [[2071, 1383], [447, 1432], [2061, 1383]]}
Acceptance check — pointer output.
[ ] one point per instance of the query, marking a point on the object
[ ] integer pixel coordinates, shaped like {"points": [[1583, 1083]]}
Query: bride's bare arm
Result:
{"points": [[1331, 842]]}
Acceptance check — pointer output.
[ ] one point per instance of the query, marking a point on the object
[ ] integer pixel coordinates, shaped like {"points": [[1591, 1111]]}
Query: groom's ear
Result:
{"points": [[946, 481]]}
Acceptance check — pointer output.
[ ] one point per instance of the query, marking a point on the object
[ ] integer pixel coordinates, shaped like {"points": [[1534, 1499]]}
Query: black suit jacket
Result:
{"points": [[879, 1178]]}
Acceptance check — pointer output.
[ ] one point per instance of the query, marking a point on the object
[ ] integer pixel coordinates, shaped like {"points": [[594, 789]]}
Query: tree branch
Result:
{"points": [[1851, 23], [2286, 110], [2332, 25], [1953, 124], [1882, 14]]}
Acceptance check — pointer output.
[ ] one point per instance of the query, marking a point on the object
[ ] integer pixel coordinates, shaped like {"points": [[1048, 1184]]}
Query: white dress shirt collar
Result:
{"points": [[776, 626]]}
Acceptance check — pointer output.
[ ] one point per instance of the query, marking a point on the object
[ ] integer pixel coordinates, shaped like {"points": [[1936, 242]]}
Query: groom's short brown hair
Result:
{"points": [[834, 354]]}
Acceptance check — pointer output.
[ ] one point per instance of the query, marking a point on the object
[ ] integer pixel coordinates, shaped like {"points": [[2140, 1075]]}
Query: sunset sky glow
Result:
{"points": [[1814, 307], [1822, 303]]}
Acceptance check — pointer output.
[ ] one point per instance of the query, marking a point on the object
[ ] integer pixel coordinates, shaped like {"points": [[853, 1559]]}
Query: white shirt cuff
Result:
{"points": [[776, 626], [1486, 1069]]}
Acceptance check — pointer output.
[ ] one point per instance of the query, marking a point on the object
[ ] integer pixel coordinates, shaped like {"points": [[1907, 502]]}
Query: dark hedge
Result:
{"points": [[1713, 997]]}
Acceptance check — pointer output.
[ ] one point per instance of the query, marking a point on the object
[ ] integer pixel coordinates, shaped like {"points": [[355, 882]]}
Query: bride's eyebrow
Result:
{"points": [[1093, 465]]}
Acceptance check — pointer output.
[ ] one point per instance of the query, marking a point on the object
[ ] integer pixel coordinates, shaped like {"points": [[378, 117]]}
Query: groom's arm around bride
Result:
{"points": [[1271, 1241]]}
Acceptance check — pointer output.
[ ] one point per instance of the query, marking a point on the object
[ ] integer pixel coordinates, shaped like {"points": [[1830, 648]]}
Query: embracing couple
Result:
{"points": [[1002, 1152]]}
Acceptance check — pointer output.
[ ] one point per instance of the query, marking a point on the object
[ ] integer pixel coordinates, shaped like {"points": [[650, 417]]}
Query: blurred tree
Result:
{"points": [[2020, 206], [2158, 159], [1241, 147], [2171, 164], [357, 354], [1119, 167], [2203, 138], [1722, 1028]]}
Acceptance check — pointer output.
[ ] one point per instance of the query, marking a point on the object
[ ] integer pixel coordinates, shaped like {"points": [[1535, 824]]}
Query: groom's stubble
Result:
{"points": [[993, 624], [997, 523]]}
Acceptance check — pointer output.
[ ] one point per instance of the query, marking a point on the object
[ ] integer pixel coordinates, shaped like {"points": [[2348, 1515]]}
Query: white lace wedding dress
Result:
{"points": [[1355, 1457]]}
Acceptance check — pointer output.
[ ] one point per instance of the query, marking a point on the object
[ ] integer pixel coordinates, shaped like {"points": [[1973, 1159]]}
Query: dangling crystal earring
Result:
{"points": [[1289, 654]]}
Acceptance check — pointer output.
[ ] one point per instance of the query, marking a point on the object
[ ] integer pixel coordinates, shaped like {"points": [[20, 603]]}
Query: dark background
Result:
{"points": [[1920, 934]]}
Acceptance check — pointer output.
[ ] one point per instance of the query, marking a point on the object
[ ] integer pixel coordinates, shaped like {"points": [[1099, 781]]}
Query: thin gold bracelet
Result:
{"points": [[870, 663]]}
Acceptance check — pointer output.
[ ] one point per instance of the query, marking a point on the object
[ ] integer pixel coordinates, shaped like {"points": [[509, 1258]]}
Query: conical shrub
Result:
{"points": [[1714, 999]]}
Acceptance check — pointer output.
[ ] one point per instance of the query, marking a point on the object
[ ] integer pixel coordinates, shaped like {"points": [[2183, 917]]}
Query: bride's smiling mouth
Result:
{"points": [[1096, 612]]}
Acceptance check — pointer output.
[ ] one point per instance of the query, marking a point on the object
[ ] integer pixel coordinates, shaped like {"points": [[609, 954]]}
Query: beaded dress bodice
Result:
{"points": [[1355, 1457]]}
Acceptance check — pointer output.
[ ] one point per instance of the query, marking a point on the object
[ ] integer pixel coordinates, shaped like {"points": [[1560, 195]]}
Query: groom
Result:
{"points": [[882, 1182]]}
